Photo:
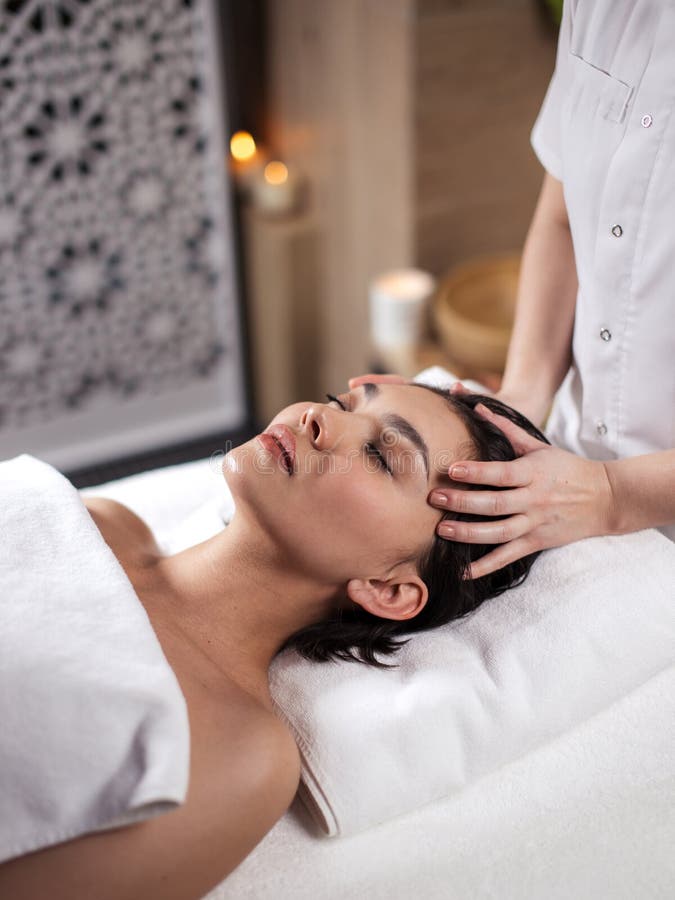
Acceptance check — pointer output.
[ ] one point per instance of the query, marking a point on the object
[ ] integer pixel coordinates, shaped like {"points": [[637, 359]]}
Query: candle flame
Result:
{"points": [[242, 146], [276, 173]]}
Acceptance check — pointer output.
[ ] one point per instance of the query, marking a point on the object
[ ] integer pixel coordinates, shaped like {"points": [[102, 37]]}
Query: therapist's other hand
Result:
{"points": [[549, 497], [376, 379]]}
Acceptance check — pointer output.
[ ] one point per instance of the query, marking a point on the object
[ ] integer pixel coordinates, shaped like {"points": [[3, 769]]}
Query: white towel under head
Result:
{"points": [[594, 621], [94, 725]]}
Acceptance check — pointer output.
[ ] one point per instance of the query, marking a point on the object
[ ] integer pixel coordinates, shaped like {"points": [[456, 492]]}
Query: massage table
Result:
{"points": [[588, 813]]}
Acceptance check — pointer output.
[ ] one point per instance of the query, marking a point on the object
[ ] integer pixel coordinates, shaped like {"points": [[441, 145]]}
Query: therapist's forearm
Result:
{"points": [[541, 342], [643, 491]]}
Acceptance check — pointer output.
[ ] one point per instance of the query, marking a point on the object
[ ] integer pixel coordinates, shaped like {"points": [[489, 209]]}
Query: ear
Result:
{"points": [[399, 597]]}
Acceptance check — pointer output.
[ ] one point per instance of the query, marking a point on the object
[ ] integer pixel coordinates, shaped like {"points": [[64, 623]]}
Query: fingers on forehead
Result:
{"points": [[498, 474]]}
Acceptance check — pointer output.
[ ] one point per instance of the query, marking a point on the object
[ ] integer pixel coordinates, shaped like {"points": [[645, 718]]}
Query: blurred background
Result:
{"points": [[212, 208]]}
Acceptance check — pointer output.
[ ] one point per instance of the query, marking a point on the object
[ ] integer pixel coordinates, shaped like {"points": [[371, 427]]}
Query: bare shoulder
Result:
{"points": [[279, 750], [254, 745], [241, 783], [113, 516]]}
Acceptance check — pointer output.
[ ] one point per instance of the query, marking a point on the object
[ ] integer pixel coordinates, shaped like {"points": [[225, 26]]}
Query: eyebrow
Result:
{"points": [[400, 425]]}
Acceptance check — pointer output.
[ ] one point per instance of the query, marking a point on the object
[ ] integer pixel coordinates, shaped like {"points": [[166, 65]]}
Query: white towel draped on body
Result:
{"points": [[94, 729]]}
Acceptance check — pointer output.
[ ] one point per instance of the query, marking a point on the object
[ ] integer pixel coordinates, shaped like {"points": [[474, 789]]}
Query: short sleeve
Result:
{"points": [[546, 133]]}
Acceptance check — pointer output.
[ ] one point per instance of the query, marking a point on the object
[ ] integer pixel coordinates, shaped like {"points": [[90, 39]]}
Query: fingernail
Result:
{"points": [[482, 409], [446, 530], [458, 471], [437, 497]]}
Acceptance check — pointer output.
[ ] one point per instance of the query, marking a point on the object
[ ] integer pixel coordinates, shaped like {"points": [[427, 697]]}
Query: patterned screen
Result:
{"points": [[119, 325]]}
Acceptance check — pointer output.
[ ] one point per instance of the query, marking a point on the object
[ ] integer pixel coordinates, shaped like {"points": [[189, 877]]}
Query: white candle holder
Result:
{"points": [[398, 301], [277, 190]]}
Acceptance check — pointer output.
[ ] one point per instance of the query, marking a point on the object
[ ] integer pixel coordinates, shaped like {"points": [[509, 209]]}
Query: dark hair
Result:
{"points": [[357, 635]]}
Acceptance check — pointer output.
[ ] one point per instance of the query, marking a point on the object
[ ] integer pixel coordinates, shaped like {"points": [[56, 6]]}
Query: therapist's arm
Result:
{"points": [[643, 491], [553, 497], [541, 342]]}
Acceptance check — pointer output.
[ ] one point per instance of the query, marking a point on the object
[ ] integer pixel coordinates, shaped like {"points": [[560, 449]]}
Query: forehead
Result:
{"points": [[444, 432]]}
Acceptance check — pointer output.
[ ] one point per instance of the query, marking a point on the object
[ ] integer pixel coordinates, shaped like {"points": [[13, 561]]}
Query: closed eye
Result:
{"points": [[337, 400], [371, 449]]}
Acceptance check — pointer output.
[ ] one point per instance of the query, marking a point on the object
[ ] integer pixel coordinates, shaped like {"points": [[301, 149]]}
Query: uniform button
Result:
{"points": [[646, 121], [606, 334], [601, 428], [617, 230]]}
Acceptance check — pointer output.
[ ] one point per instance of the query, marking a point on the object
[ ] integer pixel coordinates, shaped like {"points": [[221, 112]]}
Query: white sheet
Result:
{"points": [[94, 729]]}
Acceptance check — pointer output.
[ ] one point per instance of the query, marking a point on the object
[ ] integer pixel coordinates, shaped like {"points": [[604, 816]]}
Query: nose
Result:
{"points": [[321, 427]]}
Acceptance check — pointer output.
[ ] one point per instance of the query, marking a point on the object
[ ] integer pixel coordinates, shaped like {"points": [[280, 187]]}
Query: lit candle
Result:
{"points": [[246, 160], [277, 191], [398, 301]]}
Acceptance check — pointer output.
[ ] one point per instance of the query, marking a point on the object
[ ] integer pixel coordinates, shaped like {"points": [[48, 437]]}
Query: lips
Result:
{"points": [[280, 441]]}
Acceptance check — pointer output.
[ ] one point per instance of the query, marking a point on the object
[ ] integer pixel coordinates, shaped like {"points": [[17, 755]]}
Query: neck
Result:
{"points": [[236, 602]]}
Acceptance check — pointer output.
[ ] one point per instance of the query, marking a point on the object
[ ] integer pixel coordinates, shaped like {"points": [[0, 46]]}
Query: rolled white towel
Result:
{"points": [[593, 622]]}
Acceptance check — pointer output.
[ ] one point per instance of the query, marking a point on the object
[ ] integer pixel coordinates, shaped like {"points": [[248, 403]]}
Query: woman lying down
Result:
{"points": [[332, 551]]}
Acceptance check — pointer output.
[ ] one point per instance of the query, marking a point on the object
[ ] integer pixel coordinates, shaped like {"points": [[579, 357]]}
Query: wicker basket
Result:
{"points": [[473, 311]]}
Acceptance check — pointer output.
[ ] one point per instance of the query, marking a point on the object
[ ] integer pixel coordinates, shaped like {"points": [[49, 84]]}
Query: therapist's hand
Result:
{"points": [[550, 497]]}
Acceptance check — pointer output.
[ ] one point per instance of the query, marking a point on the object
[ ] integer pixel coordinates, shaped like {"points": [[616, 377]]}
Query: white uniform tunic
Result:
{"points": [[606, 129]]}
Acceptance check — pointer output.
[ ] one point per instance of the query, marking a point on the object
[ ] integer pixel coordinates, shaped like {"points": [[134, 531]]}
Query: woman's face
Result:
{"points": [[346, 497]]}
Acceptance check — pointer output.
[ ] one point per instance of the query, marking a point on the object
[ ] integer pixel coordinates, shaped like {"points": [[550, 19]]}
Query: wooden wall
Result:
{"points": [[411, 119], [482, 69]]}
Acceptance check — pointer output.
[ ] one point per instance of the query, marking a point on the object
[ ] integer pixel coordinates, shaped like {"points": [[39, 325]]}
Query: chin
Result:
{"points": [[251, 474], [238, 464]]}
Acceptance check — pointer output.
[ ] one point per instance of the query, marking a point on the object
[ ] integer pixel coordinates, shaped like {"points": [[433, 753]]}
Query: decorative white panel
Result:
{"points": [[119, 324]]}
